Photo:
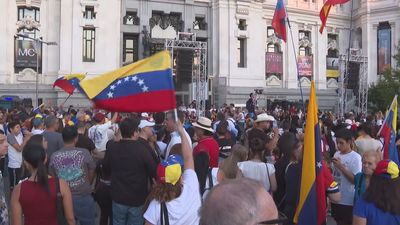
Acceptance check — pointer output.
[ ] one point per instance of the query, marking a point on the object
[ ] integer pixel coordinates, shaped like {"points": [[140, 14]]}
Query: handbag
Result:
{"points": [[60, 209]]}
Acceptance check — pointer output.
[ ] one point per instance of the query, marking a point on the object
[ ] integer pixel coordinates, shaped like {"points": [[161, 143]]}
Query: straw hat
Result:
{"points": [[204, 123], [264, 117]]}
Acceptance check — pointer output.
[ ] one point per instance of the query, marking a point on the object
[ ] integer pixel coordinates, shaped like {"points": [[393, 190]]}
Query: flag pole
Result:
{"points": [[66, 100], [295, 58], [346, 74]]}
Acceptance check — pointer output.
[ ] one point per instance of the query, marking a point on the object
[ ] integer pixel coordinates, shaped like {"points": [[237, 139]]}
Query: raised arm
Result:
{"points": [[186, 149]]}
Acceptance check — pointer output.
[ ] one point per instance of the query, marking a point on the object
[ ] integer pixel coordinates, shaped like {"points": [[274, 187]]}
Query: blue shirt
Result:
{"points": [[373, 214]]}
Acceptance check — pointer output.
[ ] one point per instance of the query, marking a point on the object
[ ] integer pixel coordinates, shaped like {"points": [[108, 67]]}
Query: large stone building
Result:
{"points": [[96, 36]]}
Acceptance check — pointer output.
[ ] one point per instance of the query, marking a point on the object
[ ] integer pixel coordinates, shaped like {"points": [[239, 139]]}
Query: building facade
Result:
{"points": [[96, 36]]}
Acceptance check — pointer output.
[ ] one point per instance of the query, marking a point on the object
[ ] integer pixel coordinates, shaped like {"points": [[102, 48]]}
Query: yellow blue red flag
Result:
{"points": [[69, 82], [388, 132], [143, 86], [311, 207]]}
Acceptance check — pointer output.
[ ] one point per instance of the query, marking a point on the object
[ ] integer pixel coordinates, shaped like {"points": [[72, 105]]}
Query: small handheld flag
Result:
{"points": [[278, 21], [388, 132], [311, 208], [323, 14], [143, 86], [69, 82]]}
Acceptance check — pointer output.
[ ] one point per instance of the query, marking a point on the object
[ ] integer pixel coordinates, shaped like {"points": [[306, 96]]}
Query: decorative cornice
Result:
{"points": [[28, 23], [304, 42], [242, 11], [273, 39]]}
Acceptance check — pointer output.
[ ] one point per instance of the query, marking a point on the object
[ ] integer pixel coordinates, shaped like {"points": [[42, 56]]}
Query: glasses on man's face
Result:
{"points": [[282, 219]]}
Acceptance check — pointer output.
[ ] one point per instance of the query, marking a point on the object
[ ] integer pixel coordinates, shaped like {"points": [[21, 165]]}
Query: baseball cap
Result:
{"points": [[37, 122], [169, 171], [388, 169], [145, 123]]}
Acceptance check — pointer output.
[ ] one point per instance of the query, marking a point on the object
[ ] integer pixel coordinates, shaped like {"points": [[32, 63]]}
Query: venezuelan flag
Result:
{"points": [[323, 14], [312, 204], [278, 21], [388, 132], [69, 82], [143, 86]]}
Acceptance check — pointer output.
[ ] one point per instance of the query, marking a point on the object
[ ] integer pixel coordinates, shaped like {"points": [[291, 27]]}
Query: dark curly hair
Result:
{"points": [[384, 193]]}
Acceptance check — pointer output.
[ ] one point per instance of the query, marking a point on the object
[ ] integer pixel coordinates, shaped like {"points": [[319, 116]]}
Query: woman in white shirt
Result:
{"points": [[175, 198], [256, 169]]}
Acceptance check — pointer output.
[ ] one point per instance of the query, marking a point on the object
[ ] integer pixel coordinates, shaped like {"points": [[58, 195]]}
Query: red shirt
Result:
{"points": [[210, 146]]}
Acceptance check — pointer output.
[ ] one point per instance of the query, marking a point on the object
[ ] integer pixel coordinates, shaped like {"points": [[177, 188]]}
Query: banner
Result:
{"points": [[384, 49], [332, 67], [273, 63], [25, 54], [305, 65]]}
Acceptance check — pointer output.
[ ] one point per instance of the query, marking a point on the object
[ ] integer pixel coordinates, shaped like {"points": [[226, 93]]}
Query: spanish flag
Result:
{"points": [[312, 204], [323, 14], [143, 86], [388, 132], [69, 82]]}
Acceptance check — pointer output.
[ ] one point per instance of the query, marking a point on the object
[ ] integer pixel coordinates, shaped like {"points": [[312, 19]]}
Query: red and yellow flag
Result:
{"points": [[323, 14]]}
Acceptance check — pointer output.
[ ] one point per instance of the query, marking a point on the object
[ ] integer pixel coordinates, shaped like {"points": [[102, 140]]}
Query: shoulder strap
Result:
{"points": [[164, 214], [269, 179], [210, 179]]}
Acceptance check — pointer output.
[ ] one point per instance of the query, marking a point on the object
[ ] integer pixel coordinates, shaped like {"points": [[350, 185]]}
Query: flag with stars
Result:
{"points": [[311, 208], [69, 82], [388, 132], [143, 86]]}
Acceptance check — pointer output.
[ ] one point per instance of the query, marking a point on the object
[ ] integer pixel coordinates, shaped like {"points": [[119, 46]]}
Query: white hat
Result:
{"points": [[348, 121], [145, 123], [145, 115], [204, 123], [264, 117]]}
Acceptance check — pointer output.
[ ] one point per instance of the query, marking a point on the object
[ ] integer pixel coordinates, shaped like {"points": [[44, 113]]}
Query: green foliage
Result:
{"points": [[380, 94]]}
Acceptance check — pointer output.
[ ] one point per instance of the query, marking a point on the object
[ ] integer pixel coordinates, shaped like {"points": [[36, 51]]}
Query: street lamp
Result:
{"points": [[37, 42]]}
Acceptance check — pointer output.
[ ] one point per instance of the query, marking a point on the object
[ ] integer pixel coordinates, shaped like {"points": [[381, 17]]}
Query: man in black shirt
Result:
{"points": [[131, 167], [83, 140]]}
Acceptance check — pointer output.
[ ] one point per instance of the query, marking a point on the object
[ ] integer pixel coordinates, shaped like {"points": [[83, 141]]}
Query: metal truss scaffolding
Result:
{"points": [[345, 103], [199, 69]]}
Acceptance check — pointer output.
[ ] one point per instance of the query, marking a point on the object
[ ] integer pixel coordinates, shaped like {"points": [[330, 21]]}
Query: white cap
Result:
{"points": [[145, 123], [145, 115]]}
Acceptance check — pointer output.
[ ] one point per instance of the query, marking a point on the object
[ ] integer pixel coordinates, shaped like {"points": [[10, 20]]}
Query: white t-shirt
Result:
{"points": [[352, 161], [162, 147], [214, 172], [258, 171], [34, 131], [183, 210], [99, 134], [176, 139], [14, 157]]}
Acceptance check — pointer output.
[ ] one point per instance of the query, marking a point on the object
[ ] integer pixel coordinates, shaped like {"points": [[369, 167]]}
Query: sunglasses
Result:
{"points": [[282, 219]]}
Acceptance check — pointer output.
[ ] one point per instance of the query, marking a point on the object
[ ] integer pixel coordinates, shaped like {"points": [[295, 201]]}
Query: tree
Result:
{"points": [[380, 94]]}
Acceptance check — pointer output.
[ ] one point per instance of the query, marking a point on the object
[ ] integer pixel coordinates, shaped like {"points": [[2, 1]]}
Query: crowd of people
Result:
{"points": [[230, 167]]}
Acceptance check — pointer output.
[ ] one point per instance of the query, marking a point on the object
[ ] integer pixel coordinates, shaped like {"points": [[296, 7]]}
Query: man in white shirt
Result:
{"points": [[346, 163], [99, 133], [171, 127]]}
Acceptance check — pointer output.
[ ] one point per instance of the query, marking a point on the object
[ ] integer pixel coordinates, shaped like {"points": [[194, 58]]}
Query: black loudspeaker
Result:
{"points": [[184, 63], [353, 76]]}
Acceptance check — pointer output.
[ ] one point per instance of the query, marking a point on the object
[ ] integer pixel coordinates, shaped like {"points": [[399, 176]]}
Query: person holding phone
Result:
{"points": [[346, 163]]}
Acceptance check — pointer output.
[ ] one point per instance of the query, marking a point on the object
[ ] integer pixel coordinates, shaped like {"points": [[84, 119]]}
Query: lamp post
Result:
{"points": [[38, 43]]}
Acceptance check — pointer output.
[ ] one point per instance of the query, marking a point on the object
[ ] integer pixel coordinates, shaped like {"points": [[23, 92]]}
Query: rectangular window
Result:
{"points": [[89, 13], [89, 41], [242, 24], [270, 31], [384, 47], [130, 49], [32, 13], [240, 53]]}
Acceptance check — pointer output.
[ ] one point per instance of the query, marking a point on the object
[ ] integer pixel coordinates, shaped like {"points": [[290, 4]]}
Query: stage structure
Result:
{"points": [[354, 78], [187, 41]]}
